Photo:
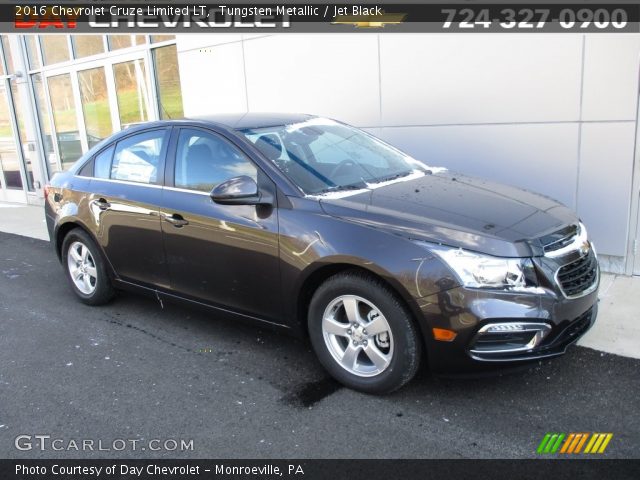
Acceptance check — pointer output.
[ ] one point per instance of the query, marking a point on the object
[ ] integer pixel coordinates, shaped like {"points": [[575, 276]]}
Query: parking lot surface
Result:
{"points": [[138, 371]]}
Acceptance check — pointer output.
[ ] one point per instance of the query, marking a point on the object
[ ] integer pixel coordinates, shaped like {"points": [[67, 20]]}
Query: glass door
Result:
{"points": [[95, 104], [132, 91], [11, 178], [65, 120]]}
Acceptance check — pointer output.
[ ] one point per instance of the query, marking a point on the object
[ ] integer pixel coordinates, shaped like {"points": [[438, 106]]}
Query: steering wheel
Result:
{"points": [[341, 165]]}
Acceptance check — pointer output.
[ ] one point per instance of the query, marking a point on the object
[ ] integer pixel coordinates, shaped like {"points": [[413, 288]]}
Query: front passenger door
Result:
{"points": [[224, 255]]}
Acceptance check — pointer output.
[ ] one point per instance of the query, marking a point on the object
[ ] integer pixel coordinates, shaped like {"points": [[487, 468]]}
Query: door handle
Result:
{"points": [[176, 220], [102, 204]]}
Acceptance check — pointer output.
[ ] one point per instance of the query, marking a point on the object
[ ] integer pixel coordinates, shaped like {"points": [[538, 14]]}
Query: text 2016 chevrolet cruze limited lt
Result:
{"points": [[314, 226]]}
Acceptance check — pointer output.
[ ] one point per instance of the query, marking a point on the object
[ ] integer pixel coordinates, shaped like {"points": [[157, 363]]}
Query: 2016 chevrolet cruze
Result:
{"points": [[311, 225]]}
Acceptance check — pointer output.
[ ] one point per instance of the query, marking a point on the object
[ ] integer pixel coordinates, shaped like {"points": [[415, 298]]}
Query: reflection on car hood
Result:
{"points": [[457, 210]]}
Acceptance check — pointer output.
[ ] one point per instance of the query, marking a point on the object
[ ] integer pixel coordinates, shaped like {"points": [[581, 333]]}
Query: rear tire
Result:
{"points": [[86, 269], [362, 333]]}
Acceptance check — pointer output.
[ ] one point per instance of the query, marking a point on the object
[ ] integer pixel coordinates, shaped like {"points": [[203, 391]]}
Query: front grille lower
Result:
{"points": [[578, 276], [569, 331]]}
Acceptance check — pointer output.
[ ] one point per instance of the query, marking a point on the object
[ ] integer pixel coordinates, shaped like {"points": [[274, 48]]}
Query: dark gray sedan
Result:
{"points": [[312, 226]]}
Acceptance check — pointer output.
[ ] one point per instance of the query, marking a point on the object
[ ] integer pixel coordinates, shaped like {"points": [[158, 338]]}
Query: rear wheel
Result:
{"points": [[85, 268], [362, 334]]}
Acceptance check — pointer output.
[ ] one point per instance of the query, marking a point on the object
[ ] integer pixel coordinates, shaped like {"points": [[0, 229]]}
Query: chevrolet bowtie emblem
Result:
{"points": [[584, 248], [370, 21]]}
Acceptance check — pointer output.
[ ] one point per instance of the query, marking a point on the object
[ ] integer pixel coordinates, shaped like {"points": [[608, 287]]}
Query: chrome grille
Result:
{"points": [[559, 239], [577, 277]]}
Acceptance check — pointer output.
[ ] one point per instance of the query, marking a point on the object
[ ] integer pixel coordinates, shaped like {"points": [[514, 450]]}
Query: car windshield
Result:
{"points": [[322, 156]]}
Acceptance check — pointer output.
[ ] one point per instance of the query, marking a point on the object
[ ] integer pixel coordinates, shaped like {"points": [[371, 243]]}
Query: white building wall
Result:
{"points": [[552, 113]]}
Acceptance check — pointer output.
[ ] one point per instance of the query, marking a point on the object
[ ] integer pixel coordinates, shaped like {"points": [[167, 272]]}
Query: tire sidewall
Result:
{"points": [[406, 348]]}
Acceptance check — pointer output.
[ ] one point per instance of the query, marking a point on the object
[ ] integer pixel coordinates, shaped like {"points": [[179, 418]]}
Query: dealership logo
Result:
{"points": [[574, 443]]}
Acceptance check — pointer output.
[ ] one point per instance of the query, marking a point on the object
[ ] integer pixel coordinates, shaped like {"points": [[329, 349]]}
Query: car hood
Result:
{"points": [[456, 210]]}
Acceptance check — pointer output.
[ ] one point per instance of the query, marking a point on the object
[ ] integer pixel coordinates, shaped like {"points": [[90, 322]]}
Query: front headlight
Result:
{"points": [[484, 271]]}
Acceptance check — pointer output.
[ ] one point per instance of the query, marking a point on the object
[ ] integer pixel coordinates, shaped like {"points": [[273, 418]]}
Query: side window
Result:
{"points": [[204, 160], [102, 163], [137, 158]]}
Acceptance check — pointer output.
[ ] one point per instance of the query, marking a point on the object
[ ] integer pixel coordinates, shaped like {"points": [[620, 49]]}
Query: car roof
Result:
{"points": [[229, 121], [239, 121]]}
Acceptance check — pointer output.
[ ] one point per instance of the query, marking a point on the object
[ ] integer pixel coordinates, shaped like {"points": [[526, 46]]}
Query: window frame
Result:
{"points": [[160, 169], [170, 164], [90, 163]]}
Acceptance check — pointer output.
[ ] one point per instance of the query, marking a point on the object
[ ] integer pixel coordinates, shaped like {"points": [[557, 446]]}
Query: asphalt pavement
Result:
{"points": [[137, 371]]}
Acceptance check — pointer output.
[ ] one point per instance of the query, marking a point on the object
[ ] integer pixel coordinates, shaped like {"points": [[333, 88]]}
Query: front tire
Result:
{"points": [[85, 268], [362, 334]]}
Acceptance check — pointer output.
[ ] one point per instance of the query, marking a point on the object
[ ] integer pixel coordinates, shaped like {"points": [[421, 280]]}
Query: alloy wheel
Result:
{"points": [[357, 335], [82, 268]]}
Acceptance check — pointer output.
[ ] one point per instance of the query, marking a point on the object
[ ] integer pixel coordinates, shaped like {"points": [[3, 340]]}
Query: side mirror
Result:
{"points": [[240, 190]]}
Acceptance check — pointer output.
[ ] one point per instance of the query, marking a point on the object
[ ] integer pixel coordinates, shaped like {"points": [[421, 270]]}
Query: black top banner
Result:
{"points": [[104, 17]]}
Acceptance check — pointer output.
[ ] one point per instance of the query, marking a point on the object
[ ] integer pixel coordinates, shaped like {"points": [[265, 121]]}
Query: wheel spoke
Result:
{"points": [[83, 253], [75, 255], [351, 309], [350, 356], [92, 272], [75, 272], [87, 282], [377, 325], [335, 328], [379, 359]]}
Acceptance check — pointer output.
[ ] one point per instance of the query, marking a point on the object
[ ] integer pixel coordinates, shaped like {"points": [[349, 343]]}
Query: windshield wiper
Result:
{"points": [[340, 188], [392, 177]]}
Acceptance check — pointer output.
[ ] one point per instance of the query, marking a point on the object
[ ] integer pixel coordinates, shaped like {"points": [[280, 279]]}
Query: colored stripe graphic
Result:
{"points": [[598, 443], [573, 443], [581, 443], [567, 443], [551, 442], [543, 443]]}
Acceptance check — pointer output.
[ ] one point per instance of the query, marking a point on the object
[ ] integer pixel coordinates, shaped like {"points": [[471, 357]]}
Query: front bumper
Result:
{"points": [[470, 312]]}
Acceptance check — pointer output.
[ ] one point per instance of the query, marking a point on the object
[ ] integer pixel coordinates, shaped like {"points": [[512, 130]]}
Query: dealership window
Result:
{"points": [[87, 45], [162, 38], [165, 60], [105, 88], [132, 92], [64, 118], [8, 55], [116, 42], [32, 51], [55, 48], [95, 104], [204, 160], [137, 157]]}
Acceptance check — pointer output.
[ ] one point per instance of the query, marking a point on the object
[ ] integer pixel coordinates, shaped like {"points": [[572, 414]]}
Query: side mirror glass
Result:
{"points": [[242, 190]]}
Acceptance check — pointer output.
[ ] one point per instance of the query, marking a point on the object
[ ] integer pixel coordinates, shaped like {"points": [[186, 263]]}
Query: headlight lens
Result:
{"points": [[484, 271]]}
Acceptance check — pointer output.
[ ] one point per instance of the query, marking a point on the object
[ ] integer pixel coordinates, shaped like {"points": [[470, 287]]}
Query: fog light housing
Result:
{"points": [[508, 337]]}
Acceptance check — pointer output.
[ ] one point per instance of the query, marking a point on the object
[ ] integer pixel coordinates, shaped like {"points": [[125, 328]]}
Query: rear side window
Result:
{"points": [[102, 163], [137, 158]]}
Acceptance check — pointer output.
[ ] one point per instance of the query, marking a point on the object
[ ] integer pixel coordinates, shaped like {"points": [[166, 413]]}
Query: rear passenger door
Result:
{"points": [[126, 192], [224, 255]]}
